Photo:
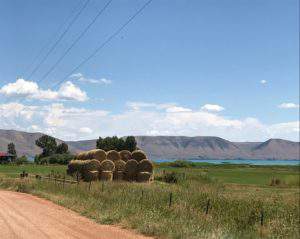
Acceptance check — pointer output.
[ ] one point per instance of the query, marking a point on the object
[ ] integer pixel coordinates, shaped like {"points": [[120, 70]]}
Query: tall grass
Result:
{"points": [[145, 207]]}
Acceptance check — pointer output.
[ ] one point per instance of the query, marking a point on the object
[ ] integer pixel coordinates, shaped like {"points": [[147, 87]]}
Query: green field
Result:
{"points": [[237, 194]]}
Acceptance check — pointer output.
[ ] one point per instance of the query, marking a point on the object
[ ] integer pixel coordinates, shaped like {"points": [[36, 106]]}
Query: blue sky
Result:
{"points": [[225, 68]]}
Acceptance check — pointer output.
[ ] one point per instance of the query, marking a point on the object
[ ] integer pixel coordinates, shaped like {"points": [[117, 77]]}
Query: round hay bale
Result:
{"points": [[90, 154], [107, 165], [131, 170], [145, 166], [113, 155], [106, 176], [91, 165], [139, 155], [74, 166], [118, 175], [144, 177], [82, 156], [125, 155], [89, 176], [99, 154], [120, 165]]}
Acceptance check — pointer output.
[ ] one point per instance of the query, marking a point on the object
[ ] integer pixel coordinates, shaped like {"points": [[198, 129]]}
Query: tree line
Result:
{"points": [[53, 153]]}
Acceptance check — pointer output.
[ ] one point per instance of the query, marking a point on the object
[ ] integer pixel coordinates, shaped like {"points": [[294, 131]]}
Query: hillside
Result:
{"points": [[171, 147]]}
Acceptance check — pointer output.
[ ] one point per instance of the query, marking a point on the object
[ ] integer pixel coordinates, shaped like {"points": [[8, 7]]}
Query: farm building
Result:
{"points": [[5, 157]]}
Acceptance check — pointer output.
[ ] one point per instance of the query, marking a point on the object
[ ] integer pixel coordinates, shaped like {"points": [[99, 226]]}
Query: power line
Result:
{"points": [[59, 39], [76, 40], [105, 42], [37, 56]]}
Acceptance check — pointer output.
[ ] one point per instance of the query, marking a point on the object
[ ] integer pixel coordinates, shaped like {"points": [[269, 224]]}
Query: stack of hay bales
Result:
{"points": [[113, 165]]}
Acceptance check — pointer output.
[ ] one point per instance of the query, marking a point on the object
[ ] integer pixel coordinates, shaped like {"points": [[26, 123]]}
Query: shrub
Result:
{"points": [[56, 159], [22, 160], [170, 177]]}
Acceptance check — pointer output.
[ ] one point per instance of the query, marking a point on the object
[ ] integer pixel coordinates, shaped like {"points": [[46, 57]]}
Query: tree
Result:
{"points": [[48, 144], [130, 143], [62, 148], [115, 143], [11, 149]]}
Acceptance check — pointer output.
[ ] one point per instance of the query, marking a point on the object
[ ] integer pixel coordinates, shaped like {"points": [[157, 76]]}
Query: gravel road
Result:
{"points": [[29, 217]]}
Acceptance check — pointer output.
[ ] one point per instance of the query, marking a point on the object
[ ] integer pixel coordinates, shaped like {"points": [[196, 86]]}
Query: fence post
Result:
{"points": [[207, 206], [77, 175], [262, 218], [90, 183], [170, 199], [64, 181]]}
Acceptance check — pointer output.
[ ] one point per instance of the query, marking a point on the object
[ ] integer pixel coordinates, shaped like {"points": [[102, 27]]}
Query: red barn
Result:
{"points": [[5, 157]]}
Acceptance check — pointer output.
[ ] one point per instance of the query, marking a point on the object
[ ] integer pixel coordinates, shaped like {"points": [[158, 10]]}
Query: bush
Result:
{"points": [[56, 159], [22, 160], [182, 164], [171, 177]]}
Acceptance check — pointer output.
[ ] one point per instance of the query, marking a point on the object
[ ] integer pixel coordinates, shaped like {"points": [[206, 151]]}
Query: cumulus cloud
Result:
{"points": [[263, 82], [85, 130], [30, 90], [73, 123], [212, 108], [288, 106], [80, 77]]}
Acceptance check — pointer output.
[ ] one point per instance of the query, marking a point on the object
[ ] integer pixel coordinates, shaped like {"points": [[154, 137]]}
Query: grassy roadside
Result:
{"points": [[234, 210]]}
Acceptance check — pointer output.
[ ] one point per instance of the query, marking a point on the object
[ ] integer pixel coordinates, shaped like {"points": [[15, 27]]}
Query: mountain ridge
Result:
{"points": [[171, 147]]}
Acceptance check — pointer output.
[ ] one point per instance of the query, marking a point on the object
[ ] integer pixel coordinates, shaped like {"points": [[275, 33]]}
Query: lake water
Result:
{"points": [[238, 161]]}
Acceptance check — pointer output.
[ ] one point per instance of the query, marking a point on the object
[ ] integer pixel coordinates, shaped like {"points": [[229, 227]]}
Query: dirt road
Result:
{"points": [[29, 217]]}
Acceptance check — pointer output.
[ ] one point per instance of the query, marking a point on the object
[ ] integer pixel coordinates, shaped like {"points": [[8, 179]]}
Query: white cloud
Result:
{"points": [[80, 77], [263, 82], [85, 130], [70, 91], [288, 106], [212, 108], [177, 109], [72, 123], [138, 105], [30, 90]]}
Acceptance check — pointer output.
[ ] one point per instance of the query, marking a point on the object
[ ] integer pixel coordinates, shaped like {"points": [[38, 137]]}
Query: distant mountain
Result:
{"points": [[171, 147]]}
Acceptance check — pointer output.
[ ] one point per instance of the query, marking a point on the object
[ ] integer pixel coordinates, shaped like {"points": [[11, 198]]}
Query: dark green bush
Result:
{"points": [[56, 159]]}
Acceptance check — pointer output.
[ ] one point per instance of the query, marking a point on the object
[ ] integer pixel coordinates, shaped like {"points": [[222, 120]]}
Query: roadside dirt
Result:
{"points": [[29, 217]]}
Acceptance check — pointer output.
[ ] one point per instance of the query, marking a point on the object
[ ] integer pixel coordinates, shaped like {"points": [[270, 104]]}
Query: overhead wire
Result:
{"points": [[47, 43], [75, 41], [59, 39], [110, 38]]}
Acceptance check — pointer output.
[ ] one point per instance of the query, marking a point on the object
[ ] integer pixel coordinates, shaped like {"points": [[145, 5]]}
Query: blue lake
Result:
{"points": [[237, 161]]}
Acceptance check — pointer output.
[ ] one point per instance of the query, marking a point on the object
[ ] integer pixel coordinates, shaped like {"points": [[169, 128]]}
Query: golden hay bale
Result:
{"points": [[145, 166], [82, 156], [118, 175], [74, 166], [113, 155], [90, 154], [89, 176], [99, 154], [139, 155], [120, 165], [131, 169], [144, 176], [125, 155], [91, 165], [106, 176], [107, 165]]}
